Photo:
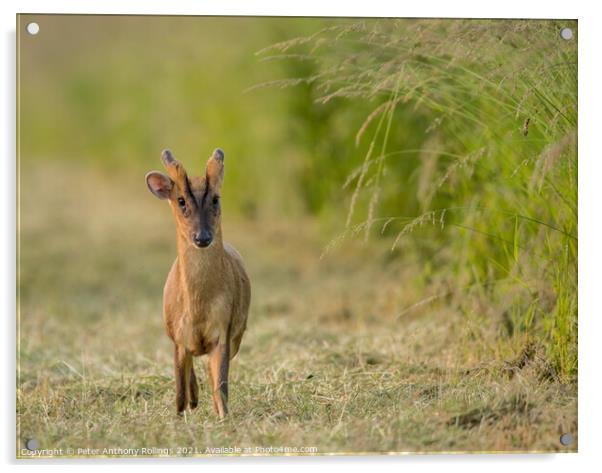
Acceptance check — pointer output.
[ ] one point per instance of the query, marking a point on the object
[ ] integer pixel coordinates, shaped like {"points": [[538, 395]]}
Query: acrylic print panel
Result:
{"points": [[402, 197]]}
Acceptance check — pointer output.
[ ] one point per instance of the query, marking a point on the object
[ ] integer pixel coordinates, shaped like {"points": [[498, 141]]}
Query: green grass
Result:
{"points": [[468, 153]]}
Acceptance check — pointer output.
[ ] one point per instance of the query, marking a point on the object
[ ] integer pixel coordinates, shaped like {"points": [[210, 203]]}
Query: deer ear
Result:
{"points": [[159, 184], [215, 169]]}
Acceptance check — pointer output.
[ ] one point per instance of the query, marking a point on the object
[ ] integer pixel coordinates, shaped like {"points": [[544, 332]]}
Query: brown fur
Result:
{"points": [[207, 293]]}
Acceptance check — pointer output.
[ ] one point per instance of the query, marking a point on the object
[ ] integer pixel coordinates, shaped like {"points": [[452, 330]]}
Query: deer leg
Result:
{"points": [[219, 364], [211, 382], [193, 388], [182, 360]]}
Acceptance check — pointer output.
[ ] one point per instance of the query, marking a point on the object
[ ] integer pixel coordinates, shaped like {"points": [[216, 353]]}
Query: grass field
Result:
{"points": [[327, 362]]}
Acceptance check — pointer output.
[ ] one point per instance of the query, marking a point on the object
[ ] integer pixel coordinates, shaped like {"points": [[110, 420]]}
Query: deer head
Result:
{"points": [[195, 202]]}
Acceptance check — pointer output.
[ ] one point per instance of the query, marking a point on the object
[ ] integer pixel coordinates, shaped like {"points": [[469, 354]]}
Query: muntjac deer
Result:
{"points": [[207, 293]]}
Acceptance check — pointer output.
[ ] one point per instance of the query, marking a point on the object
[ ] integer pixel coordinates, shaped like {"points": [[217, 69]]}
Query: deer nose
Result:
{"points": [[203, 239]]}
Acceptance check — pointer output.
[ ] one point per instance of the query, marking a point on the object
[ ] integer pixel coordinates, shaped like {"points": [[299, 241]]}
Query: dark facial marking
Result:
{"points": [[206, 191], [187, 201], [188, 191]]}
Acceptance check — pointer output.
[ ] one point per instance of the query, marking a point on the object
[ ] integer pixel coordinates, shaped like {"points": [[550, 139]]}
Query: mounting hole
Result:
{"points": [[31, 444], [566, 33], [33, 28], [566, 439]]}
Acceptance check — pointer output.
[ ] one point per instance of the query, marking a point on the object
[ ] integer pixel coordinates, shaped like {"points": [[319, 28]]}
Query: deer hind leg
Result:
{"points": [[193, 388], [219, 364], [183, 366]]}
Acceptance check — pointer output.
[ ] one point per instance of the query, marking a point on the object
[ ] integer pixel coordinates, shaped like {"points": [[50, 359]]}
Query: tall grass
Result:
{"points": [[465, 137]]}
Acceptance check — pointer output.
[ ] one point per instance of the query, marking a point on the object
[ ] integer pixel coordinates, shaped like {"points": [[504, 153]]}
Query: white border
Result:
{"points": [[590, 216]]}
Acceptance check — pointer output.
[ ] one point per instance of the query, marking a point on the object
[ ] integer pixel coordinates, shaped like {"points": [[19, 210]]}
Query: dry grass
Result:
{"points": [[327, 362]]}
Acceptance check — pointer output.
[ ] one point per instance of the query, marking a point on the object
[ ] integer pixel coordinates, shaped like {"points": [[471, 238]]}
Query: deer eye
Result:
{"points": [[181, 202], [215, 200]]}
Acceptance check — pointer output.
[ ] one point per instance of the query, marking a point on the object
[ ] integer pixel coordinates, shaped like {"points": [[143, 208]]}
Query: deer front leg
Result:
{"points": [[193, 388], [219, 364], [182, 365], [211, 382]]}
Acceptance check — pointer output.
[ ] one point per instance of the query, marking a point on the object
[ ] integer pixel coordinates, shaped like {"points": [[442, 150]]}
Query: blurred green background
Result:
{"points": [[112, 92], [431, 163]]}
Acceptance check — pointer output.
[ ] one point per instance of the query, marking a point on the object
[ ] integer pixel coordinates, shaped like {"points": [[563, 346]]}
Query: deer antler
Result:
{"points": [[174, 168]]}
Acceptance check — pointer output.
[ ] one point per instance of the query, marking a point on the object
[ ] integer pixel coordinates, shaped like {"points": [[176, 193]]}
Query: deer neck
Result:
{"points": [[199, 265]]}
